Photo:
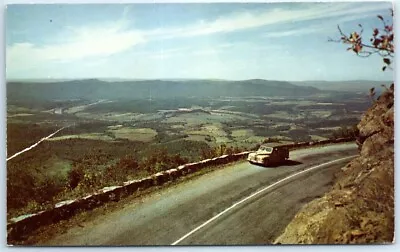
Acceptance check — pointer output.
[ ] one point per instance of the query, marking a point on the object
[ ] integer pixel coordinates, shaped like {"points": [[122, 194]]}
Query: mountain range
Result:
{"points": [[93, 89]]}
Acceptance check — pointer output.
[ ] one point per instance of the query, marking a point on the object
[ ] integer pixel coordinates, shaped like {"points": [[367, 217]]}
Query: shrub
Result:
{"points": [[345, 132], [75, 176]]}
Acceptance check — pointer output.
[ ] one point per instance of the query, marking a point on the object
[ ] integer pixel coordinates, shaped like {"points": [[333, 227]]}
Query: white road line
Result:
{"points": [[253, 195], [34, 145]]}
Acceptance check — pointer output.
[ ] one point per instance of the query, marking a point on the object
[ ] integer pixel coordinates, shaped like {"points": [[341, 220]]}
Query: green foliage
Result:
{"points": [[85, 127], [271, 140], [89, 178], [332, 123], [265, 131], [75, 176], [27, 188], [344, 132], [207, 153], [219, 150], [160, 160], [21, 135], [299, 135]]}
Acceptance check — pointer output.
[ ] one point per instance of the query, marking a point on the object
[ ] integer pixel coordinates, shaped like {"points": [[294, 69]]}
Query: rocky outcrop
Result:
{"points": [[360, 206]]}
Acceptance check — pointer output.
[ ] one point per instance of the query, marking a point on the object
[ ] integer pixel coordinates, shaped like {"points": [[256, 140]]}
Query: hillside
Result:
{"points": [[93, 89], [360, 207]]}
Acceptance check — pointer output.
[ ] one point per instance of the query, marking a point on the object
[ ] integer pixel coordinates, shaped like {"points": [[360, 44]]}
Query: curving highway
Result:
{"points": [[241, 204]]}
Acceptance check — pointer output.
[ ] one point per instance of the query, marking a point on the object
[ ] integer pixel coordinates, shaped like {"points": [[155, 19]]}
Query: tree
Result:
{"points": [[381, 41], [75, 176]]}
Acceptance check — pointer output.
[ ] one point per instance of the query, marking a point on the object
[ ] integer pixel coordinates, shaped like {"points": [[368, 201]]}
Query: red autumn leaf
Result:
{"points": [[377, 42], [386, 60], [388, 28], [357, 48]]}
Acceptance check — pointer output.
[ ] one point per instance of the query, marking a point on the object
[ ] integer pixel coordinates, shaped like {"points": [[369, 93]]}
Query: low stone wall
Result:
{"points": [[23, 225]]}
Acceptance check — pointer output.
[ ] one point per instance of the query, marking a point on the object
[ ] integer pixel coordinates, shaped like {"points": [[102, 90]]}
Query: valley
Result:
{"points": [[110, 138]]}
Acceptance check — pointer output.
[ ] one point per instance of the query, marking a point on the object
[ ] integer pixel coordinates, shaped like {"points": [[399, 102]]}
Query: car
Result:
{"points": [[269, 154]]}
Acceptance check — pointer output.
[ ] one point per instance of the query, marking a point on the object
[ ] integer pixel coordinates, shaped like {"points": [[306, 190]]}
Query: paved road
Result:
{"points": [[170, 215]]}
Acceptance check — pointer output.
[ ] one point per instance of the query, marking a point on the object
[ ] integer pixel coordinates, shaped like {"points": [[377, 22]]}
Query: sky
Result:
{"points": [[235, 41]]}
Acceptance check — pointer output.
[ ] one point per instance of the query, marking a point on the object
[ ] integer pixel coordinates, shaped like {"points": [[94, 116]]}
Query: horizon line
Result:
{"points": [[179, 79]]}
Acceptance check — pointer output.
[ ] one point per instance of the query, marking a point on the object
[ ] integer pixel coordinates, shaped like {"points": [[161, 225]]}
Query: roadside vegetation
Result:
{"points": [[345, 132], [65, 169], [22, 135]]}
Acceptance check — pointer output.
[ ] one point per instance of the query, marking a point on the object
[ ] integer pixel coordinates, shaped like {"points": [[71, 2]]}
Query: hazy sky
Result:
{"points": [[278, 41]]}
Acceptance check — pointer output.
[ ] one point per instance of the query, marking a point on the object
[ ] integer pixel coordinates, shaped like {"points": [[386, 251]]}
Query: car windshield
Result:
{"points": [[265, 148]]}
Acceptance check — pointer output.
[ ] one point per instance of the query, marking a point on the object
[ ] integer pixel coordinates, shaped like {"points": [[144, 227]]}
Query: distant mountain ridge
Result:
{"points": [[98, 89], [350, 86]]}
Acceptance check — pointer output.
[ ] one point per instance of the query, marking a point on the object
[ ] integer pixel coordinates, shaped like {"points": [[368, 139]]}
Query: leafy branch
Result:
{"points": [[381, 42]]}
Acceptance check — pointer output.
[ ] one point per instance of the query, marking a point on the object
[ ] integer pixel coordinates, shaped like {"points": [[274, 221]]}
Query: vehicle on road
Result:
{"points": [[269, 154]]}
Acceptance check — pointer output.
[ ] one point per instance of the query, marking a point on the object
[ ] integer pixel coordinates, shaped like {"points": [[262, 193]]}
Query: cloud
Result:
{"points": [[277, 16], [189, 51], [206, 52], [341, 16], [292, 32], [80, 43]]}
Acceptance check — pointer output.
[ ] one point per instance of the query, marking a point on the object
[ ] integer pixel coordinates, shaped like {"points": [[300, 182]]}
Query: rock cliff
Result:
{"points": [[360, 206]]}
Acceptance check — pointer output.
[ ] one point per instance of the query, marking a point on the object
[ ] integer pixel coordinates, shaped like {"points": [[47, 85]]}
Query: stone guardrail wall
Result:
{"points": [[23, 225]]}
